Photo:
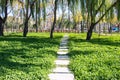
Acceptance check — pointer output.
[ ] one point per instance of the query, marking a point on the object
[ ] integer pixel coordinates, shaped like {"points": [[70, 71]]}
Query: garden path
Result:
{"points": [[62, 72]]}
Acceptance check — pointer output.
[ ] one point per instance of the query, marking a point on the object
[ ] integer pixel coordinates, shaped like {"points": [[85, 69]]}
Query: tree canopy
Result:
{"points": [[75, 11]]}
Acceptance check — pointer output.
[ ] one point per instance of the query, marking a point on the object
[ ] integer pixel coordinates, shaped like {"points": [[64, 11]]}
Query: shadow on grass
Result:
{"points": [[99, 41], [31, 40], [6, 54], [105, 41], [79, 52], [7, 61]]}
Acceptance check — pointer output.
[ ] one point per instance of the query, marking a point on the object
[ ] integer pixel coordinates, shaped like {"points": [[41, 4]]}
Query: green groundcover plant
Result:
{"points": [[97, 59], [29, 58]]}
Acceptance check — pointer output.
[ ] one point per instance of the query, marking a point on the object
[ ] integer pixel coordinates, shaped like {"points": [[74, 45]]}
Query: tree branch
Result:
{"points": [[99, 7], [107, 11], [1, 18], [31, 5], [6, 1]]}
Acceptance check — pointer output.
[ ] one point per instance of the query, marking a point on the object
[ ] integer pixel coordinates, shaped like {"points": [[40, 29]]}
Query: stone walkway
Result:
{"points": [[61, 72]]}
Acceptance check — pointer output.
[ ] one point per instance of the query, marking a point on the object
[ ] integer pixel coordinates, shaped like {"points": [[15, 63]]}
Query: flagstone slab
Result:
{"points": [[63, 57], [61, 70], [63, 47], [63, 44], [62, 52], [62, 62], [64, 39], [57, 76]]}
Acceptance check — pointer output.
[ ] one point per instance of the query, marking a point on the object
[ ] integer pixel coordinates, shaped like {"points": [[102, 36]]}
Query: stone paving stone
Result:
{"points": [[61, 70], [62, 62], [65, 57], [63, 44], [57, 76], [64, 41], [63, 47], [62, 52]]}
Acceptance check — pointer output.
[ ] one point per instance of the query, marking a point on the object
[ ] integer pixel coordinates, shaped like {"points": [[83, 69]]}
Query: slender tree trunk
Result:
{"points": [[99, 29], [27, 17], [82, 27], [25, 29], [3, 20], [60, 24], [36, 19], [89, 33], [36, 24], [75, 26], [95, 29], [36, 28], [110, 30], [119, 28], [52, 29], [1, 28]]}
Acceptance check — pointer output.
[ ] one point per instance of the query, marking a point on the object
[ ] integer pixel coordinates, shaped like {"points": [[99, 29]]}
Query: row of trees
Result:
{"points": [[76, 11]]}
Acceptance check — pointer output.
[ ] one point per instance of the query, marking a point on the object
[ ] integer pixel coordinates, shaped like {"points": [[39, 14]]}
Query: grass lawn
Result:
{"points": [[97, 59], [29, 58]]}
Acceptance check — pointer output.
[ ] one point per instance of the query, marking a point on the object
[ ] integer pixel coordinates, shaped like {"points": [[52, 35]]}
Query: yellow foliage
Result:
{"points": [[77, 17], [114, 20]]}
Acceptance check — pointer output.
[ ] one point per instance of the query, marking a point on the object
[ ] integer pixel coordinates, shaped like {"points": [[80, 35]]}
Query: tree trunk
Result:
{"points": [[25, 29], [1, 28], [75, 26], [118, 28], [110, 29], [93, 17], [95, 29], [99, 29], [82, 27], [60, 24], [89, 33], [52, 30], [36, 25], [2, 21]]}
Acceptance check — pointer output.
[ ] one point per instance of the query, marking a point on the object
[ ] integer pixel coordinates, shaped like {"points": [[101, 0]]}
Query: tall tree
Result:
{"points": [[93, 10], [118, 15], [54, 22], [27, 8], [4, 4]]}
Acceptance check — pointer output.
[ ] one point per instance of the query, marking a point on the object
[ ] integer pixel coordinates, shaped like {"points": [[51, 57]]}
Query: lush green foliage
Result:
{"points": [[97, 59], [29, 58]]}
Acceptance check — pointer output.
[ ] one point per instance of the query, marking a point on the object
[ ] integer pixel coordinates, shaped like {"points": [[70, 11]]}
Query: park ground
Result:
{"points": [[32, 58]]}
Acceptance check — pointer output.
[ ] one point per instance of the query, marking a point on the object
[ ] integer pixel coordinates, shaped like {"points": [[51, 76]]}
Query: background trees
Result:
{"points": [[4, 4], [93, 8], [78, 14]]}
